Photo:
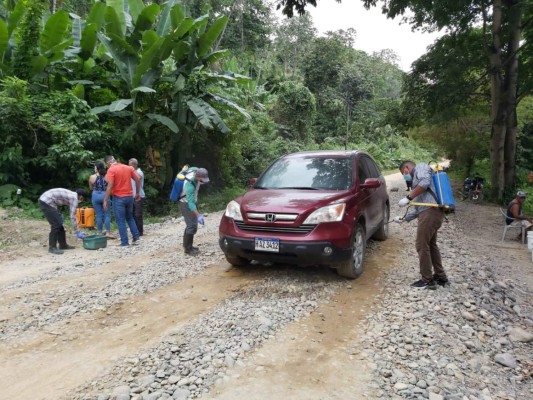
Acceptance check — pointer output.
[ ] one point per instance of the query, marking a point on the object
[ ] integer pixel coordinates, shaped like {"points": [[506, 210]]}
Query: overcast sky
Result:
{"points": [[374, 31]]}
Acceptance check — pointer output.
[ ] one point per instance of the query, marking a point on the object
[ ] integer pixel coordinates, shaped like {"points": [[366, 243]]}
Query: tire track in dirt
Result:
{"points": [[317, 357], [72, 352], [307, 357], [50, 301], [36, 266]]}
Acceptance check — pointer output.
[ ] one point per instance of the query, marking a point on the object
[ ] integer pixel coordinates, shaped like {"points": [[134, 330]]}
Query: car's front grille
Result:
{"points": [[303, 229]]}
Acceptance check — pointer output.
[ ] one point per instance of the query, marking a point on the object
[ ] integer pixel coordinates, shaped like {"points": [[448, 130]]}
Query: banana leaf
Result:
{"points": [[54, 31], [210, 36]]}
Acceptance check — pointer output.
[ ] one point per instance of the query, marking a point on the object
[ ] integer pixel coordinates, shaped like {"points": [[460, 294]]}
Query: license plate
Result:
{"points": [[263, 244]]}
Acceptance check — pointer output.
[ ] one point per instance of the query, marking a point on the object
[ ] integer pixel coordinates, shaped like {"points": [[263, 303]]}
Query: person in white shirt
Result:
{"points": [[138, 204], [49, 202]]}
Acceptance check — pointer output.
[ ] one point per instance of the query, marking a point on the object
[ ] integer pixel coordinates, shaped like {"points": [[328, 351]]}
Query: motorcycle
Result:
{"points": [[473, 189]]}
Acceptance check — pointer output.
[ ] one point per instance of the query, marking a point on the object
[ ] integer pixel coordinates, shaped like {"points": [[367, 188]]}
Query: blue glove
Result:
{"points": [[80, 234], [201, 219]]}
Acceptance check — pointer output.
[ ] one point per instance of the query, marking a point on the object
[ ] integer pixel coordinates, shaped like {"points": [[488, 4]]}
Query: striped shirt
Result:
{"points": [[422, 176], [62, 197]]}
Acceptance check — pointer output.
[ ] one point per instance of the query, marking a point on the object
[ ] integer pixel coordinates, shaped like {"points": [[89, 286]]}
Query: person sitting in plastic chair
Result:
{"points": [[514, 212]]}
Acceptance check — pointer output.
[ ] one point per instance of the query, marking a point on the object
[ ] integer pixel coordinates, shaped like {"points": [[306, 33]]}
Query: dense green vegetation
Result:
{"points": [[221, 84], [468, 89]]}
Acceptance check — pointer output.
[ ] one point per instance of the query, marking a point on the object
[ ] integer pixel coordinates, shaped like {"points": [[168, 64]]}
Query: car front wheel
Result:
{"points": [[353, 267], [236, 261]]}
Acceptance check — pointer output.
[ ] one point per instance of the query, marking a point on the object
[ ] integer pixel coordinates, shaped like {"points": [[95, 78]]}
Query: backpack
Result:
{"points": [[179, 181], [444, 195]]}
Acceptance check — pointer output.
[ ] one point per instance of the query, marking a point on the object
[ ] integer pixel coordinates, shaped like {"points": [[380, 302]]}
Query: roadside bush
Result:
{"points": [[47, 138]]}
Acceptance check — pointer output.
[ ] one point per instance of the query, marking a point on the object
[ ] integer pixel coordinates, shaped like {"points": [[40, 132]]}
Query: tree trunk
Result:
{"points": [[498, 116], [503, 97], [185, 147], [511, 84]]}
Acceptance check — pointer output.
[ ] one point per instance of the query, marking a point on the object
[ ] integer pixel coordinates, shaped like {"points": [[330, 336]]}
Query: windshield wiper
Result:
{"points": [[260, 187], [299, 188]]}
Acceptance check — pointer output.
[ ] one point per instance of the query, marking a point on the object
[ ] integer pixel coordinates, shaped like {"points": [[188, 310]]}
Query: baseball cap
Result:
{"points": [[201, 173], [82, 192], [521, 194]]}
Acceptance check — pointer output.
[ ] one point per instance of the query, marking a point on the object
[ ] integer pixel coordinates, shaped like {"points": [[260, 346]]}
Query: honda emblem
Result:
{"points": [[270, 217]]}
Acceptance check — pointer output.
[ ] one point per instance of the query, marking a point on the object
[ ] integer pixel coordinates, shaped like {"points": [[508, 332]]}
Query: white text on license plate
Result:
{"points": [[264, 244]]}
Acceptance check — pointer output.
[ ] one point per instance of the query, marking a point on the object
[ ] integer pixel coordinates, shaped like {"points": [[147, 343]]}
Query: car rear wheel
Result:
{"points": [[353, 267], [236, 261], [383, 232]]}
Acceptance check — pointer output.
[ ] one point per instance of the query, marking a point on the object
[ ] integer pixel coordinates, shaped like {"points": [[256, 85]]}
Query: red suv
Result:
{"points": [[309, 208]]}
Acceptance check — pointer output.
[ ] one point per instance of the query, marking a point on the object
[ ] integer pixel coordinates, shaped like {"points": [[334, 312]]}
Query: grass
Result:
{"points": [[211, 202]]}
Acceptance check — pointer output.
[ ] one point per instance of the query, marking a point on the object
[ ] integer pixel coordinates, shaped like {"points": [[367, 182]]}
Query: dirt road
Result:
{"points": [[48, 357], [84, 322]]}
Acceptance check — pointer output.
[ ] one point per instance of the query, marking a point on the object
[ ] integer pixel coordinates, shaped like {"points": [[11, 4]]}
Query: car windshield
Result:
{"points": [[309, 173]]}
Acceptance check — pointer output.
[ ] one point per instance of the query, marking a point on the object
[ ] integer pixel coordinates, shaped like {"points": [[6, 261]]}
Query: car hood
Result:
{"points": [[287, 200]]}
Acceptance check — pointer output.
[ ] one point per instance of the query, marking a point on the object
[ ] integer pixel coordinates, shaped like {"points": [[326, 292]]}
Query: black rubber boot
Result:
{"points": [[62, 239], [55, 250], [187, 245]]}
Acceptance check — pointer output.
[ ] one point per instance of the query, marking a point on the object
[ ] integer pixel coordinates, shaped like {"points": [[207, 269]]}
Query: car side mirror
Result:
{"points": [[371, 183], [252, 182]]}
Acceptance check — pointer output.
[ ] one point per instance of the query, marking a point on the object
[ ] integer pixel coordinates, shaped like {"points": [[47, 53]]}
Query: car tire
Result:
{"points": [[353, 267], [383, 232], [236, 261]]}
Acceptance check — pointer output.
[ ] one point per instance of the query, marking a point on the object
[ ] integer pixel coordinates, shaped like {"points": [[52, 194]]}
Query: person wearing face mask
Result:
{"points": [[429, 222], [189, 207], [408, 181], [49, 202]]}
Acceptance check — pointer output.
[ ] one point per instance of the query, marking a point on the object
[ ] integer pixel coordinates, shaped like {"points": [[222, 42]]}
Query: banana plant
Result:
{"points": [[139, 50], [53, 40], [138, 40], [12, 13], [193, 100]]}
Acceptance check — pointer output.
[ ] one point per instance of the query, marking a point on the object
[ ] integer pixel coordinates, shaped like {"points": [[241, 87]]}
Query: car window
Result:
{"points": [[362, 171], [309, 172], [372, 168]]}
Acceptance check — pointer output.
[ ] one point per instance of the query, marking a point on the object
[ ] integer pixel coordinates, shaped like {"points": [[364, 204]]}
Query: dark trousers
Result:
{"points": [[429, 222], [57, 231], [191, 221], [138, 215]]}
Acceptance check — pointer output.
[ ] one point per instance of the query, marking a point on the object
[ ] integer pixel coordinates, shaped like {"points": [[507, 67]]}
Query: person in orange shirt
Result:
{"points": [[118, 179]]}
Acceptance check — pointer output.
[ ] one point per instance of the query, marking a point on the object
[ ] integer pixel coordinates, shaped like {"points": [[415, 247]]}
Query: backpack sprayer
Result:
{"points": [[444, 195]]}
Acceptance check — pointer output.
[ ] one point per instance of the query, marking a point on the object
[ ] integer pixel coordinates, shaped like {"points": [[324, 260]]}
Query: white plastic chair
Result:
{"points": [[516, 224]]}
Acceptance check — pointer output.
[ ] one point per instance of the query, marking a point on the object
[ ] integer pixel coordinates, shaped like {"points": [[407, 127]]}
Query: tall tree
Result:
{"points": [[503, 23], [249, 22], [294, 39]]}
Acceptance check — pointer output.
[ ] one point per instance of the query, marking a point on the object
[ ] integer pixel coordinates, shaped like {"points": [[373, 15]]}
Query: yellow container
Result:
{"points": [[85, 217]]}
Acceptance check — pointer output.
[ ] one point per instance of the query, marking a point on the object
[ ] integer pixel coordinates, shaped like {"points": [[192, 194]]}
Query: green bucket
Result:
{"points": [[94, 242]]}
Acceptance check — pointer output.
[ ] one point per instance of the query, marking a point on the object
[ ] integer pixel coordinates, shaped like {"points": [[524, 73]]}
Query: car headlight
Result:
{"points": [[331, 213], [233, 211]]}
